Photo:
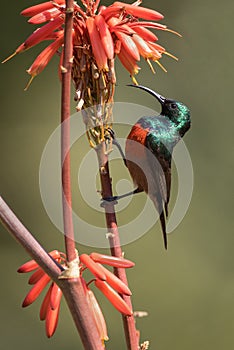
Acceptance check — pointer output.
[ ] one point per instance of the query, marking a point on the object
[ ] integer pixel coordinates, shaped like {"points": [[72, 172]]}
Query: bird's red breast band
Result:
{"points": [[138, 134]]}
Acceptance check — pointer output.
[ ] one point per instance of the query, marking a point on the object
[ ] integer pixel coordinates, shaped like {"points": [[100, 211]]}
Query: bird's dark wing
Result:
{"points": [[163, 155], [159, 177], [166, 166]]}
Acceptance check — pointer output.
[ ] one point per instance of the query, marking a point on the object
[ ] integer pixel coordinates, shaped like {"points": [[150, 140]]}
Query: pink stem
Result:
{"points": [[65, 133], [111, 222]]}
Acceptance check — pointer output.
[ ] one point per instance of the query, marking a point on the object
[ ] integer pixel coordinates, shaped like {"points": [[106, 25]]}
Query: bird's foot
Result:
{"points": [[112, 133], [107, 200]]}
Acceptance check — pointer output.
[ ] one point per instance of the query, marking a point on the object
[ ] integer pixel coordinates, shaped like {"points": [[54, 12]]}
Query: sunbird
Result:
{"points": [[148, 152]]}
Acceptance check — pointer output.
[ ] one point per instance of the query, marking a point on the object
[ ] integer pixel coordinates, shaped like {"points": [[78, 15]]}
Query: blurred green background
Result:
{"points": [[188, 290]]}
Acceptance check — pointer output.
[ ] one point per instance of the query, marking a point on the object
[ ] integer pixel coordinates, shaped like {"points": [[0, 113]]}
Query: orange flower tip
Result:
{"points": [[25, 303], [32, 264], [92, 266], [28, 267], [30, 81], [135, 82], [10, 57], [112, 260], [34, 10], [173, 32], [161, 66], [150, 65], [170, 55]]}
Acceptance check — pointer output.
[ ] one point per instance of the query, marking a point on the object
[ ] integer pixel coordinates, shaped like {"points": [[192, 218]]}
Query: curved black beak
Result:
{"points": [[160, 98]]}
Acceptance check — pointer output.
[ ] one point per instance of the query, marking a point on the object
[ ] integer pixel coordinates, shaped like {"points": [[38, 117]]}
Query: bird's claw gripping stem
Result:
{"points": [[107, 200]]}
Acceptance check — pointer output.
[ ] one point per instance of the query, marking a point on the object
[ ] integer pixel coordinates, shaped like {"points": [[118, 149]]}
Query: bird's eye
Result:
{"points": [[173, 106]]}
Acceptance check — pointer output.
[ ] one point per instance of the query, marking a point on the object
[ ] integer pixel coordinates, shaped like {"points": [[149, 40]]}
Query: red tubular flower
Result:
{"points": [[52, 313], [145, 33], [142, 46], [51, 321], [129, 45], [36, 290], [140, 12], [115, 282], [105, 35], [98, 32], [129, 63], [49, 310], [34, 10], [36, 276], [93, 267], [55, 296], [43, 58], [32, 265], [97, 47], [50, 306], [39, 35], [45, 304], [112, 260], [113, 297], [44, 16]]}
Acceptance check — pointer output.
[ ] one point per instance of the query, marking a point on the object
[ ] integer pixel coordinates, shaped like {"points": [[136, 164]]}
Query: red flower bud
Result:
{"points": [[111, 260], [115, 282], [32, 265], [97, 47], [36, 276], [113, 297], [43, 58], [44, 16], [34, 10], [36, 290], [45, 304], [55, 296], [106, 38], [51, 321], [92, 266]]}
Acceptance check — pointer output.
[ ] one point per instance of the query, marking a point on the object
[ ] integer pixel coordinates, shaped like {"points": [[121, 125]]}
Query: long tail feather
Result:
{"points": [[163, 225]]}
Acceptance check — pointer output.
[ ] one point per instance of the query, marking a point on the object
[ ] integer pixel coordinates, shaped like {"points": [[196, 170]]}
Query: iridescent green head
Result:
{"points": [[176, 111]]}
